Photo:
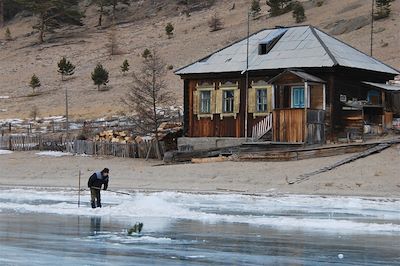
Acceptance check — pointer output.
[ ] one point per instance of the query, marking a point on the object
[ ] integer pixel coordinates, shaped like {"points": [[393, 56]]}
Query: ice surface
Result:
{"points": [[344, 215]]}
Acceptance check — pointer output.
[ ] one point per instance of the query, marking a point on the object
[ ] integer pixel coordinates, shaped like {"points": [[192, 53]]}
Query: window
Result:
{"points": [[261, 96], [205, 102], [374, 97], [297, 97], [270, 41], [228, 99]]}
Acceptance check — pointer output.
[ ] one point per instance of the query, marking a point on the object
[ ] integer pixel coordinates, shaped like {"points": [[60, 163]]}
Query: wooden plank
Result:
{"points": [[376, 149]]}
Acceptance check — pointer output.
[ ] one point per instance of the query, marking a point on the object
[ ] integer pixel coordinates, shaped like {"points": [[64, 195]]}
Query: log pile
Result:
{"points": [[125, 137], [112, 136]]}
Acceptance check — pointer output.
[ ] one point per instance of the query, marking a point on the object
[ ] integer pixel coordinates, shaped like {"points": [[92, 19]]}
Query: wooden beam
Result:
{"points": [[305, 111], [324, 97]]}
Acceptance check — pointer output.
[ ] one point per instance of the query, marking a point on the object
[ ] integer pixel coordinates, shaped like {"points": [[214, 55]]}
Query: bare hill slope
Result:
{"points": [[142, 26]]}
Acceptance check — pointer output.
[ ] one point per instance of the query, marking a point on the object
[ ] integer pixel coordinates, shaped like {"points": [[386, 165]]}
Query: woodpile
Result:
{"points": [[112, 136], [125, 137]]}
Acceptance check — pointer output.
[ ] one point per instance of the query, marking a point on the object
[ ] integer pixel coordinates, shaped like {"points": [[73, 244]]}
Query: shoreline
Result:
{"points": [[131, 192], [374, 176]]}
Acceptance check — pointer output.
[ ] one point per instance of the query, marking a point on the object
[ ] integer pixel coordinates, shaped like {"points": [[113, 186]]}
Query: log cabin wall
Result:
{"points": [[348, 82], [338, 79], [217, 127]]}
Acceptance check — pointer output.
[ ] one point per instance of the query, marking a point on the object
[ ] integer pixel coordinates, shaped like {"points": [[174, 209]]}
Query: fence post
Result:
{"points": [[10, 143]]}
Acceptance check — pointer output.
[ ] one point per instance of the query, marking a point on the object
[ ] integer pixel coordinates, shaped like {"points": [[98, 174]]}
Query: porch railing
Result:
{"points": [[262, 127]]}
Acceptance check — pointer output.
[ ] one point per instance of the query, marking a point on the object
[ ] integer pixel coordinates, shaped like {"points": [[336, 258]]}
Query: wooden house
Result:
{"points": [[295, 85]]}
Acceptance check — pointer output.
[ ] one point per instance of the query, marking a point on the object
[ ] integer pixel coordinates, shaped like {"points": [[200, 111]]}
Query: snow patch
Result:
{"points": [[53, 153], [5, 152]]}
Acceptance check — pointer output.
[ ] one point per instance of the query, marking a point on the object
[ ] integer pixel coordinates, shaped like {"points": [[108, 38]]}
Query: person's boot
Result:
{"points": [[93, 205], [99, 204]]}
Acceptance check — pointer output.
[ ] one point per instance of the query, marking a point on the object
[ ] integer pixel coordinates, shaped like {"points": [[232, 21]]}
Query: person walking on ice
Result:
{"points": [[95, 182]]}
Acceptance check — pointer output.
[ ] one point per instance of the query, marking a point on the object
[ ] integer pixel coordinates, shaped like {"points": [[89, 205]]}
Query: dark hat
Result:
{"points": [[106, 170]]}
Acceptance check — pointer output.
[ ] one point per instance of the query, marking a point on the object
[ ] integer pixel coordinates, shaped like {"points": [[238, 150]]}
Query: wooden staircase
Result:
{"points": [[262, 128]]}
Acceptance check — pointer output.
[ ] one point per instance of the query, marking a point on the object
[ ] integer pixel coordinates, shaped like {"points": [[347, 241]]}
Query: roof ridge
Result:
{"points": [[331, 56], [358, 50]]}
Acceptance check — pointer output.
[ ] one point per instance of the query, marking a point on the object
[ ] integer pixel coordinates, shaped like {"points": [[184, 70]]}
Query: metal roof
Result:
{"points": [[299, 47], [301, 74], [383, 86]]}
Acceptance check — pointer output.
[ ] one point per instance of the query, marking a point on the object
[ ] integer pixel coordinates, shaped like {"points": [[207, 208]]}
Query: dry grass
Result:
{"points": [[89, 45]]}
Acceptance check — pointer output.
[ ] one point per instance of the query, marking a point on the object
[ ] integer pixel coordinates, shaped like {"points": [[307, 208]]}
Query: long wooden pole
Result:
{"points": [[246, 115], [372, 26], [79, 189]]}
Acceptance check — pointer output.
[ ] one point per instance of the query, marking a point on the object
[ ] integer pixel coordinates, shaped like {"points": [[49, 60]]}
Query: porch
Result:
{"points": [[298, 110]]}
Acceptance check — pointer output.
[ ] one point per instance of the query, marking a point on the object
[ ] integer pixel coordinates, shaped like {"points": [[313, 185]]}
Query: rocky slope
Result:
{"points": [[143, 26]]}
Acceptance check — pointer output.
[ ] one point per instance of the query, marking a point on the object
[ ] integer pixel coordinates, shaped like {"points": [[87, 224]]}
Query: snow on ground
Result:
{"points": [[5, 152], [4, 97], [53, 153]]}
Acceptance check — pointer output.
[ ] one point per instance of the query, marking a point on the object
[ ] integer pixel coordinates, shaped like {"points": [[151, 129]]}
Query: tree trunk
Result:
{"points": [[101, 15], [41, 28], [1, 13]]}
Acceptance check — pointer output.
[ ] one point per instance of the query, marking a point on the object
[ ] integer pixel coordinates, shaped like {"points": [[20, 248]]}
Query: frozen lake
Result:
{"points": [[40, 227]]}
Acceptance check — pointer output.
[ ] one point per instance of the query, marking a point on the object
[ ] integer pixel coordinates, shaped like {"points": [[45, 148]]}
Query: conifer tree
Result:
{"points": [[7, 34], [65, 68], [255, 7], [100, 76], [298, 12], [146, 53], [148, 95], [52, 13], [279, 7], [215, 23], [34, 83], [383, 8], [169, 30], [125, 66]]}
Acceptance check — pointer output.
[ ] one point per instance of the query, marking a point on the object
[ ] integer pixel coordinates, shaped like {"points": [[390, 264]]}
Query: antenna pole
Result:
{"points": [[372, 24], [247, 78]]}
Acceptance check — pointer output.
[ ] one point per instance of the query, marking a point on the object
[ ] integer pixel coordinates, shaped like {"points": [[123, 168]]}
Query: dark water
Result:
{"points": [[49, 229]]}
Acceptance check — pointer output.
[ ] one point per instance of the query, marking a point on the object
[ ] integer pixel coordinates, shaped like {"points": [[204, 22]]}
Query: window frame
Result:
{"points": [[201, 101], [230, 100], [304, 105], [264, 103]]}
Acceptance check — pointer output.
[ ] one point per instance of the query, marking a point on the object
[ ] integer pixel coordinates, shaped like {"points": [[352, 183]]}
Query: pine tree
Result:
{"points": [[148, 95], [383, 8], [7, 34], [215, 23], [255, 7], [298, 12], [279, 7], [125, 66], [146, 53], [65, 68], [52, 13], [169, 30], [100, 76], [34, 83]]}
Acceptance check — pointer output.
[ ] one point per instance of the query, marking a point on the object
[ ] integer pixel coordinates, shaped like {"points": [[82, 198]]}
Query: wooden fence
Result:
{"points": [[145, 149]]}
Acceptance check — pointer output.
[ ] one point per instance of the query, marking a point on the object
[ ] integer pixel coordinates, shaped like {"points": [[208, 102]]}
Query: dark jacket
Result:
{"points": [[97, 179]]}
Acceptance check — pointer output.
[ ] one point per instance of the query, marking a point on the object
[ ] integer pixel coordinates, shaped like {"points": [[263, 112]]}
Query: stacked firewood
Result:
{"points": [[114, 137]]}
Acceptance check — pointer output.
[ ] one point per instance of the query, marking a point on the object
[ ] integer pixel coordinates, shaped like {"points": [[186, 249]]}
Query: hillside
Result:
{"points": [[141, 26]]}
